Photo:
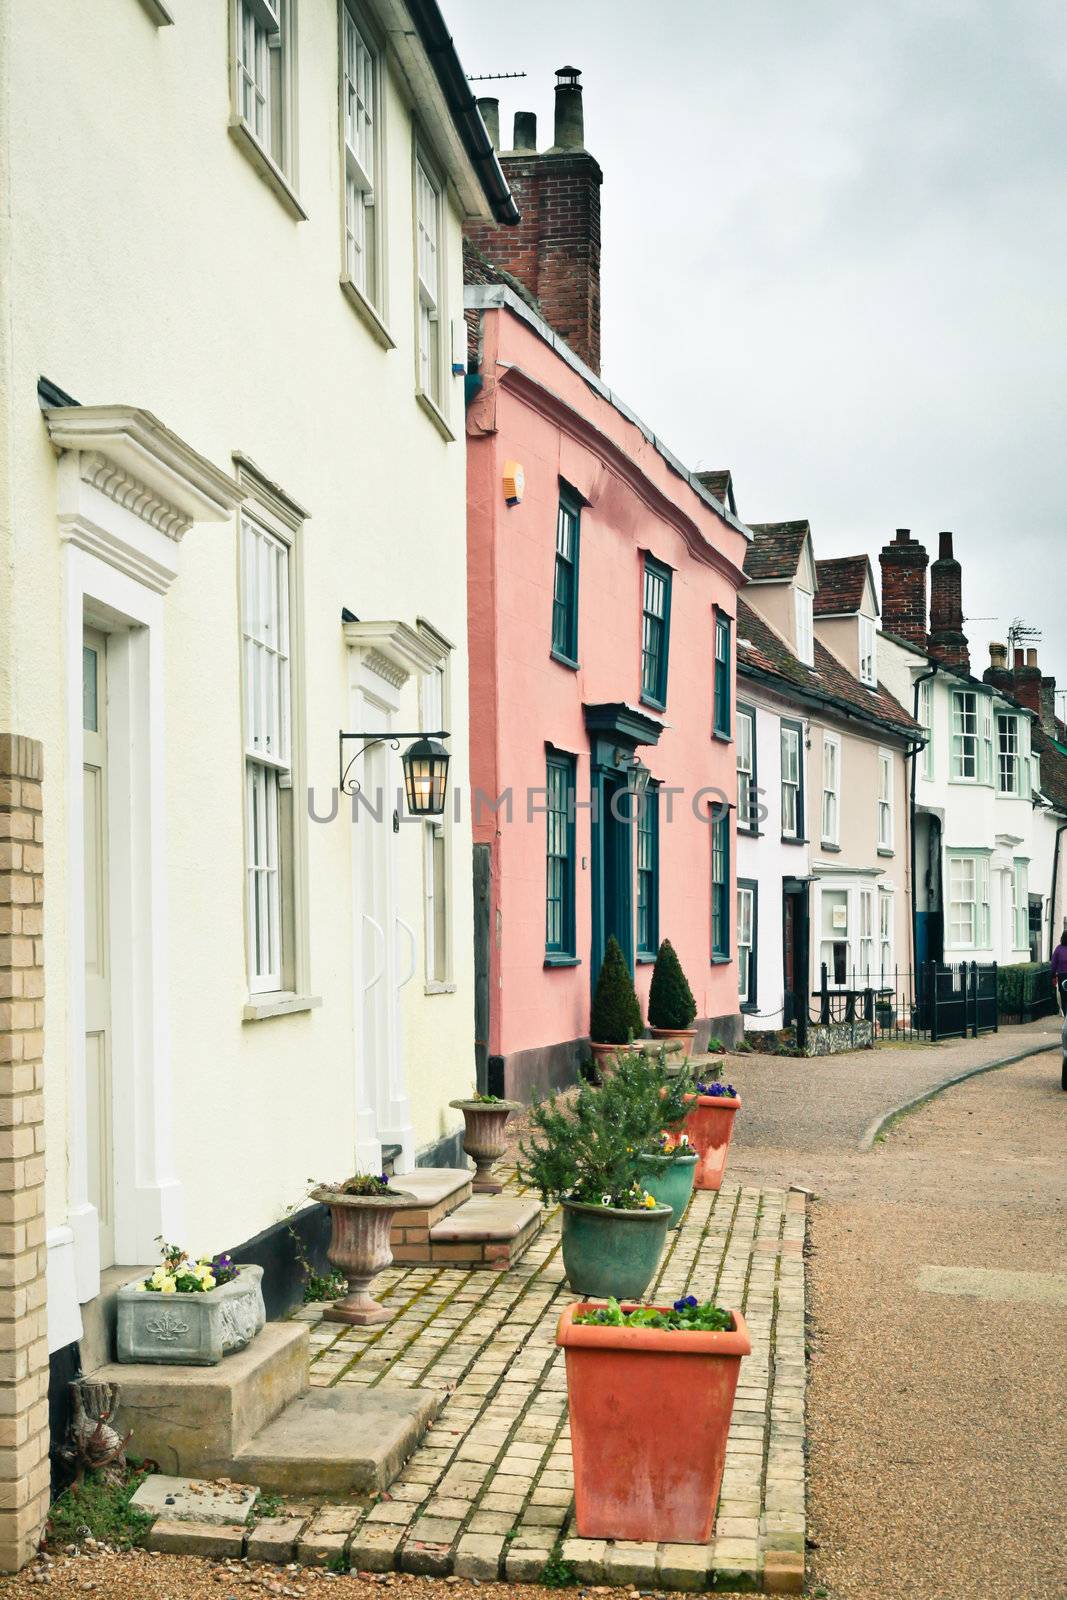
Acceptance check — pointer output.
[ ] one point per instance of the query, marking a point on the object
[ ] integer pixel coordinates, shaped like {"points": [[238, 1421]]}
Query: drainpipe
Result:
{"points": [[912, 755], [1060, 831]]}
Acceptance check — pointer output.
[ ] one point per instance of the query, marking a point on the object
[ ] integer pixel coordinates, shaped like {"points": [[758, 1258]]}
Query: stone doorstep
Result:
{"points": [[489, 1230], [193, 1500], [338, 1441], [441, 1189]]}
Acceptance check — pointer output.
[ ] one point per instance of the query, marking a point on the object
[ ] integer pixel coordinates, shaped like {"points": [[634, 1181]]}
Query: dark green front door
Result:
{"points": [[612, 869]]}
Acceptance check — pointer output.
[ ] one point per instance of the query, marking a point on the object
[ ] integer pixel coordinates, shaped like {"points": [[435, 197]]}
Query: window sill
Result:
{"points": [[268, 169], [721, 961], [826, 845], [366, 312], [884, 850], [645, 958], [564, 661], [749, 1008], [650, 700], [278, 1004], [436, 415], [749, 833], [436, 986], [562, 961], [723, 737], [794, 838]]}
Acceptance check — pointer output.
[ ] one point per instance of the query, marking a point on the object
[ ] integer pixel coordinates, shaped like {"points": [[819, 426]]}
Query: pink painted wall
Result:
{"points": [[522, 699]]}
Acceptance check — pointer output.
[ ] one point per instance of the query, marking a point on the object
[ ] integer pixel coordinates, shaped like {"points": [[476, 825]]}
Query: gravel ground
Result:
{"points": [[936, 1422]]}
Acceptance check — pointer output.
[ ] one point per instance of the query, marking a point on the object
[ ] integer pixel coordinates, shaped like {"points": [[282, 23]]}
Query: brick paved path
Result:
{"points": [[489, 1493]]}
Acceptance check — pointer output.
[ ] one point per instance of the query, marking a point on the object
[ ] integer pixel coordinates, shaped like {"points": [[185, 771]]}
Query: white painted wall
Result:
{"points": [[151, 265]]}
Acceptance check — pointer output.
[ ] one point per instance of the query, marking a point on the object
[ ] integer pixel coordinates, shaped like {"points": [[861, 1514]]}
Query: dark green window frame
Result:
{"points": [[655, 631], [560, 777], [723, 646], [647, 826], [720, 883], [747, 808], [748, 997], [565, 581]]}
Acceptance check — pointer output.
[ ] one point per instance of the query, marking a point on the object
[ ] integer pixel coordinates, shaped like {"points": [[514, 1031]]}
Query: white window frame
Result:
{"points": [[885, 800], [831, 893], [865, 942], [429, 280], [926, 721], [745, 736], [1020, 904], [435, 710], [791, 787], [885, 932], [966, 740], [270, 605], [831, 789], [746, 942], [805, 626], [969, 871], [868, 651], [362, 160], [263, 78]]}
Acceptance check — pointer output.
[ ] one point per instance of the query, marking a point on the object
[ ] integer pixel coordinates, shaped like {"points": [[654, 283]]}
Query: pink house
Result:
{"points": [[603, 583]]}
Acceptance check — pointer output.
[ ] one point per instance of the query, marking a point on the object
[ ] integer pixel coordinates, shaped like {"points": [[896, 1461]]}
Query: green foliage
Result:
{"points": [[716, 1047], [688, 1316], [557, 1573], [670, 999], [339, 1563], [589, 1147], [317, 1286], [1026, 983], [96, 1509], [267, 1504], [616, 1013]]}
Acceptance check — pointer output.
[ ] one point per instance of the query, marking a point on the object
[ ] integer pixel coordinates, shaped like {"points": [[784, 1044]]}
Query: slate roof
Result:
{"points": [[760, 648], [841, 580], [1053, 766], [719, 484], [775, 549]]}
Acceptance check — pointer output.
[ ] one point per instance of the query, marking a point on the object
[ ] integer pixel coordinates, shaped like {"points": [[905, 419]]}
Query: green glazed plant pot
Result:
{"points": [[609, 1252], [670, 1182]]}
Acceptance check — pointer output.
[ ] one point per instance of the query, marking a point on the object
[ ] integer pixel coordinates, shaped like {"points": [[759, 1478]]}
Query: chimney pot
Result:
{"points": [[570, 121], [525, 130], [903, 536], [1031, 658], [998, 655], [1018, 657], [490, 110], [944, 547]]}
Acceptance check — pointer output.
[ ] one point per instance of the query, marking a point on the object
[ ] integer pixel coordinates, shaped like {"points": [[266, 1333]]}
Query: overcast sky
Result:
{"points": [[835, 260]]}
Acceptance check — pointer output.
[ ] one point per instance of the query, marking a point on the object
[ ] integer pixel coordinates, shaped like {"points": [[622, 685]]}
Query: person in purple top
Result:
{"points": [[1059, 971]]}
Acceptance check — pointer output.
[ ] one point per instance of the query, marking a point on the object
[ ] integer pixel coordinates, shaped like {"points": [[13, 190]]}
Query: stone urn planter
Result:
{"points": [[360, 1225], [628, 1389], [485, 1137], [190, 1330], [611, 1252], [710, 1125], [669, 1179]]}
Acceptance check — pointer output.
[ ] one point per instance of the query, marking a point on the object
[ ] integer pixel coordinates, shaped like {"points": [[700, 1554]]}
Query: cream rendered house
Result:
{"points": [[824, 874], [232, 526]]}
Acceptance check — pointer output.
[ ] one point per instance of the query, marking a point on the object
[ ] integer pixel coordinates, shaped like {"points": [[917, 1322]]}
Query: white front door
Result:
{"points": [[97, 941]]}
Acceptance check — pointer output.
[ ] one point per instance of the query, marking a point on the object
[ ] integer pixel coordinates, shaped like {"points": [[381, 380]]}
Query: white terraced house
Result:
{"points": [[232, 527], [985, 829]]}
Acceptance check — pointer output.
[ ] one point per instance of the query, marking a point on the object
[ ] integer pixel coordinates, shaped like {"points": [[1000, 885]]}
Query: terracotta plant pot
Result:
{"points": [[635, 1477], [670, 1180], [612, 1252], [710, 1124], [359, 1248], [604, 1055], [685, 1037], [485, 1137]]}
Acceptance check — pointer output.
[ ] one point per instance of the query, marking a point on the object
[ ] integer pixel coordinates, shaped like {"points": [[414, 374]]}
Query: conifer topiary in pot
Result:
{"points": [[671, 1006], [615, 1018], [587, 1153]]}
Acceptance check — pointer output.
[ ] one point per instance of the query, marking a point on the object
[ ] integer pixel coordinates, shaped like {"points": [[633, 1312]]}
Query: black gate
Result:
{"points": [[961, 1000]]}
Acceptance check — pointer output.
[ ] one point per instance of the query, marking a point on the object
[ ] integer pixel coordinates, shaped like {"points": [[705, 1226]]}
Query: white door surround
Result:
{"points": [[382, 657], [127, 492]]}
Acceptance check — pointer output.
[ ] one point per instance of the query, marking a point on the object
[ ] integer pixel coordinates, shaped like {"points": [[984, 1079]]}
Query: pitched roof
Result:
{"points": [[775, 549], [841, 582], [761, 649], [1053, 766]]}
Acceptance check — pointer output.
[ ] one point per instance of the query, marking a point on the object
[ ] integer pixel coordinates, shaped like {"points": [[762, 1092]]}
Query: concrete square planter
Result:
{"points": [[190, 1330]]}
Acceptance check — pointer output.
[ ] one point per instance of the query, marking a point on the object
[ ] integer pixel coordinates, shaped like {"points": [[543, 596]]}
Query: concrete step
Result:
{"points": [[488, 1230], [441, 1189], [194, 1420], [99, 1316], [343, 1440]]}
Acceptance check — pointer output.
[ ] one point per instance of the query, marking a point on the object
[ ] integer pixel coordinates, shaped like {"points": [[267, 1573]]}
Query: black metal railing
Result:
{"points": [[938, 1002]]}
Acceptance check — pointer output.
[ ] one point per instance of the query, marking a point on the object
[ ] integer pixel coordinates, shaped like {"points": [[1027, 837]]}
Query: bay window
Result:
{"points": [[968, 901]]}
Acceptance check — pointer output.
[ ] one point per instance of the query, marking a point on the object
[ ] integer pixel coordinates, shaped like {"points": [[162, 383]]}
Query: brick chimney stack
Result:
{"points": [[1024, 681], [947, 639], [903, 565], [555, 250]]}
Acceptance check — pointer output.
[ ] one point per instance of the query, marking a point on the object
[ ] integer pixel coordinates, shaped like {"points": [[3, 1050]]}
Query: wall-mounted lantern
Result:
{"points": [[425, 765]]}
